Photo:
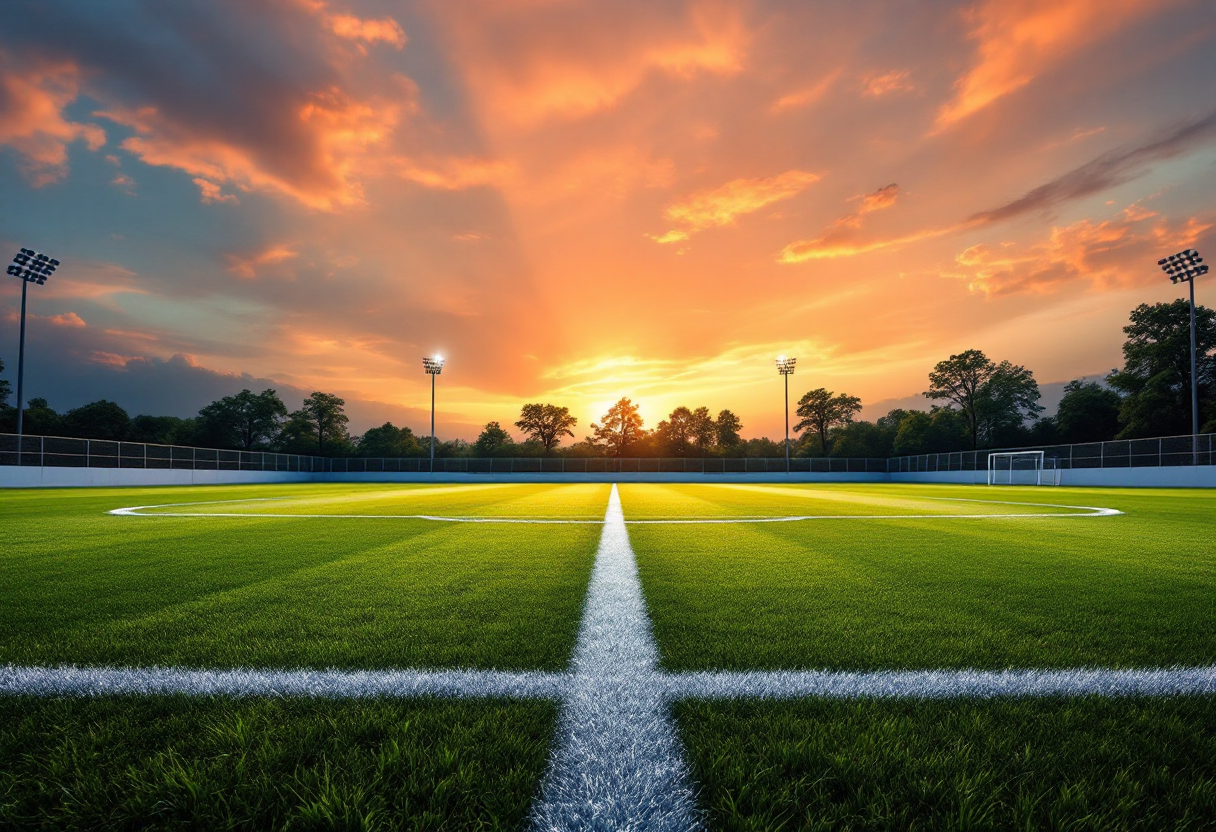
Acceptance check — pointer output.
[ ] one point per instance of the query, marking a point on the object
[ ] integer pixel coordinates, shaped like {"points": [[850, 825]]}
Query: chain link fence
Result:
{"points": [[64, 452], [1167, 451]]}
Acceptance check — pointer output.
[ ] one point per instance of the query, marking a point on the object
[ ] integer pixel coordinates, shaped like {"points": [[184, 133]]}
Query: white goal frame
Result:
{"points": [[1051, 477]]}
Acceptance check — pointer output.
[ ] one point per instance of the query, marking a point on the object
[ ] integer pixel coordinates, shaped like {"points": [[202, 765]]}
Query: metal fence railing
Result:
{"points": [[605, 465], [67, 452], [1166, 451]]}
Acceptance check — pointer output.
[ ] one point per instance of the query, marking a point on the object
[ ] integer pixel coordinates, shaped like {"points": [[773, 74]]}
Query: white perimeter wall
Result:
{"points": [[1203, 476]]}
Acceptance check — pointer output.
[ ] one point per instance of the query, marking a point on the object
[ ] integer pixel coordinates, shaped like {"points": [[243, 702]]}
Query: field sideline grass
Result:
{"points": [[1124, 591], [205, 763], [84, 587], [1077, 764]]}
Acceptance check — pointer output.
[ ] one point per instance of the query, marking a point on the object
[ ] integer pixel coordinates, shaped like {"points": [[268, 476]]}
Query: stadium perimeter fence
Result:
{"points": [[65, 452], [1161, 452]]}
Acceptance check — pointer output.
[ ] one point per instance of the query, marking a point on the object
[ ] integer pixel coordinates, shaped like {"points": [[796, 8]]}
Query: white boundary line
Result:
{"points": [[325, 684], [942, 684], [617, 763], [1075, 511]]}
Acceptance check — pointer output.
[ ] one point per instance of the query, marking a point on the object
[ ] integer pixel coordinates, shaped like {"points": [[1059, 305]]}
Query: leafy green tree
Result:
{"points": [[5, 389], [321, 419], [674, 434], [162, 430], [41, 420], [728, 427], [388, 440], [101, 419], [493, 441], [244, 421], [619, 428], [943, 430], [703, 431], [1088, 412], [862, 439], [546, 424], [992, 398], [821, 410], [1156, 374]]}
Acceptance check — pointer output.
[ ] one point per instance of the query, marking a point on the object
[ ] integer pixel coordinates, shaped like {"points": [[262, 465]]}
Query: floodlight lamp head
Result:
{"points": [[785, 366], [1183, 266], [32, 267], [433, 366]]}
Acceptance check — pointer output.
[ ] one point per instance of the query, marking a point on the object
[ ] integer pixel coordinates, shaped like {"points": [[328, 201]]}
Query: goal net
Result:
{"points": [[1022, 468]]}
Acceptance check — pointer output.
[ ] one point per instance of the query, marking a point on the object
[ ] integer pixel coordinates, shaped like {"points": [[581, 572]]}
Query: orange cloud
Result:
{"points": [[329, 134], [248, 266], [67, 319], [350, 27], [210, 192], [1107, 254], [32, 98], [454, 174], [843, 237], [528, 62], [806, 96], [1020, 39], [724, 204], [896, 80]]}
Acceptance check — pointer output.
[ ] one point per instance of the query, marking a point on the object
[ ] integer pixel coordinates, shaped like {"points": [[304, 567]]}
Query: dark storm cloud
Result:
{"points": [[1106, 171]]}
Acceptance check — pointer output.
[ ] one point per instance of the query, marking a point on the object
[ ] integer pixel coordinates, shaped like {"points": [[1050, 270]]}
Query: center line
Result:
{"points": [[618, 762]]}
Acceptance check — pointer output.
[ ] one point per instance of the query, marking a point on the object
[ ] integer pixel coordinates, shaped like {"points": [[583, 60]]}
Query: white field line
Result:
{"points": [[1073, 511], [357, 684], [617, 763], [942, 684]]}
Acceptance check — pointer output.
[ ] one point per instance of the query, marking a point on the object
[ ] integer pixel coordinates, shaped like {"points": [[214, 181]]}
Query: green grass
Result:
{"points": [[1077, 764], [202, 763], [1133, 590], [85, 587]]}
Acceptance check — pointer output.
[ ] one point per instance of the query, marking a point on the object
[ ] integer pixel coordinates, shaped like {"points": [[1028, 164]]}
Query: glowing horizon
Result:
{"points": [[571, 202]]}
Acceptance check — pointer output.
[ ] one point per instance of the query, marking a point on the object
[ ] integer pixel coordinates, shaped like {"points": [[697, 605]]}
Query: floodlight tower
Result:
{"points": [[31, 267], [1184, 267], [785, 366], [433, 367]]}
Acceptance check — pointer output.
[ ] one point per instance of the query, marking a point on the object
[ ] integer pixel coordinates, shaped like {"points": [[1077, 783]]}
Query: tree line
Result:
{"points": [[980, 403]]}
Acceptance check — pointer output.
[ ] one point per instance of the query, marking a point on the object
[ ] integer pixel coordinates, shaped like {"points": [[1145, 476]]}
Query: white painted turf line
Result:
{"points": [[941, 684], [356, 684], [617, 763]]}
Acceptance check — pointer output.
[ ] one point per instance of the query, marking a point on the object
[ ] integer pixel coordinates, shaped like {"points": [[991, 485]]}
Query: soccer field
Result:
{"points": [[435, 656]]}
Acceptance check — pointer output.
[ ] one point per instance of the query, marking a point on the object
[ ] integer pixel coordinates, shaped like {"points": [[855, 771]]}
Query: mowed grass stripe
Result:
{"points": [[1130, 591], [214, 763], [575, 501], [88, 588], [1061, 763]]}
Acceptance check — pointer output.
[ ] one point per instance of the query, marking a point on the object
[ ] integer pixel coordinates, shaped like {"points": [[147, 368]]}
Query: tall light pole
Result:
{"points": [[785, 366], [433, 367], [31, 267], [1184, 267]]}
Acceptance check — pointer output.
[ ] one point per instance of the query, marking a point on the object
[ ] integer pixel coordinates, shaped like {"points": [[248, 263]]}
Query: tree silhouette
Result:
{"points": [[546, 423], [619, 428], [821, 411]]}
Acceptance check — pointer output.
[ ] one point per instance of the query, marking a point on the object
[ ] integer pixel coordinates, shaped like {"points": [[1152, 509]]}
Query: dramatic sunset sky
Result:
{"points": [[575, 201]]}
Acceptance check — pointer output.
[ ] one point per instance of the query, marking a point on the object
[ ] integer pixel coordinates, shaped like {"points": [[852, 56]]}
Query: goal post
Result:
{"points": [[1022, 468]]}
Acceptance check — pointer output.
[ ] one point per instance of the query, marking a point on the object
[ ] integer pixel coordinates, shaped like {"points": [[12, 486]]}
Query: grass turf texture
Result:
{"points": [[1125, 591], [178, 762], [84, 587], [1133, 764]]}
